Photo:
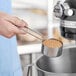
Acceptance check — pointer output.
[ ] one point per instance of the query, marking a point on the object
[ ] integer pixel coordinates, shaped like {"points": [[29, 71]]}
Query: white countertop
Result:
{"points": [[27, 49]]}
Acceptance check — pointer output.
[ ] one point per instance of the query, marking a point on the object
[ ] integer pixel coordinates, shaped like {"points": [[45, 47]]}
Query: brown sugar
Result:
{"points": [[52, 43]]}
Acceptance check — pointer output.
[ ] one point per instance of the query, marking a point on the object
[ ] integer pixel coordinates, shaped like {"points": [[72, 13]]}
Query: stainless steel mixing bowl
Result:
{"points": [[64, 65]]}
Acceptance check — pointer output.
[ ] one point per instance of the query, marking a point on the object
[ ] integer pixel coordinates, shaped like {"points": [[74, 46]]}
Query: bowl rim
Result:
{"points": [[37, 68], [65, 47], [53, 39]]}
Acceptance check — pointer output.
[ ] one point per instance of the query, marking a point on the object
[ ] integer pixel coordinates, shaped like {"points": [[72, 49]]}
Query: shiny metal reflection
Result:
{"points": [[52, 52], [64, 65]]}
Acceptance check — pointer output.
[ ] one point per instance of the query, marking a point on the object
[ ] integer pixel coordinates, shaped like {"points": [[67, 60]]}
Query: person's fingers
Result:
{"points": [[20, 31], [8, 35], [26, 25], [11, 26], [18, 22], [13, 20], [25, 30], [8, 30], [17, 30], [13, 32]]}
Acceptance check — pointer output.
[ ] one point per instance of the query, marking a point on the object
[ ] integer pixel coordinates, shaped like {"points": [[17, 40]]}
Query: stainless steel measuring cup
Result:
{"points": [[52, 52]]}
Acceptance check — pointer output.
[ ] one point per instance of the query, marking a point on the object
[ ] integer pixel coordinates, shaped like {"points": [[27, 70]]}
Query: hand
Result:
{"points": [[10, 26]]}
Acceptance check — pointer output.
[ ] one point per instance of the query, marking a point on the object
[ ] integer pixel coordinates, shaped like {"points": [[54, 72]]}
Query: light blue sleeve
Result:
{"points": [[9, 59]]}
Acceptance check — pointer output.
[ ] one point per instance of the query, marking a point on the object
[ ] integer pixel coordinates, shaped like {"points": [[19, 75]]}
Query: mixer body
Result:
{"points": [[66, 11]]}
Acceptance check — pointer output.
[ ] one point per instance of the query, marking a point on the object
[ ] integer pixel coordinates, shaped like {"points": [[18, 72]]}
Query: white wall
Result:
{"points": [[32, 3]]}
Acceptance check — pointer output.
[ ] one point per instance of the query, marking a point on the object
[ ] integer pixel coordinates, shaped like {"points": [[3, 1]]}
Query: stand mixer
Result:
{"points": [[65, 64], [66, 11]]}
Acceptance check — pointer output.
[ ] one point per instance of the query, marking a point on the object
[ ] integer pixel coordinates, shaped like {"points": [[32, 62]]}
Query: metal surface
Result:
{"points": [[68, 24], [65, 65], [62, 9], [26, 61], [68, 29], [33, 33], [68, 18], [52, 52], [58, 11], [72, 3]]}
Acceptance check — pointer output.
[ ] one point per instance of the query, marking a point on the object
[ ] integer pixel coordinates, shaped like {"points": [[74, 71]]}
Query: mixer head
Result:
{"points": [[66, 11]]}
